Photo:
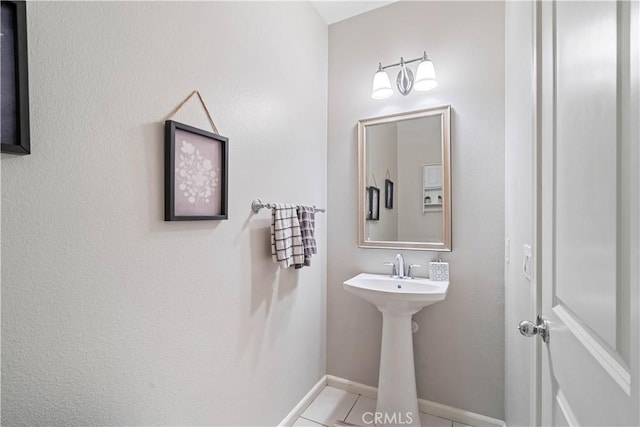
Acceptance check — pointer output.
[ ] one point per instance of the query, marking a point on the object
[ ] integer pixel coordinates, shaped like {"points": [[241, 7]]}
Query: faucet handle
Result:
{"points": [[410, 270], [394, 271]]}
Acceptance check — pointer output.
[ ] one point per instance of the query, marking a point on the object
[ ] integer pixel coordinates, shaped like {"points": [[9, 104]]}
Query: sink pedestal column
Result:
{"points": [[397, 397]]}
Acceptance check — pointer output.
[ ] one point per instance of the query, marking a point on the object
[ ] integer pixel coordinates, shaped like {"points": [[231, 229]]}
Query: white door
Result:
{"points": [[588, 216]]}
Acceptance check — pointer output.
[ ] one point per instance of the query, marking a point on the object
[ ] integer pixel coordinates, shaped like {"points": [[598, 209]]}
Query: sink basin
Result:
{"points": [[397, 299], [399, 295]]}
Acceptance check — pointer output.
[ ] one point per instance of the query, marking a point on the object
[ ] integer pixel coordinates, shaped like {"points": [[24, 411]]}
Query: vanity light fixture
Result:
{"points": [[425, 78]]}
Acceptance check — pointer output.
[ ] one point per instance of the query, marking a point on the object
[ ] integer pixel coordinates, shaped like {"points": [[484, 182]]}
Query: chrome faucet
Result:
{"points": [[398, 268], [399, 262]]}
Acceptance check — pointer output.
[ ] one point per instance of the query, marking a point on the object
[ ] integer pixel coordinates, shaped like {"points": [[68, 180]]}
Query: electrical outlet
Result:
{"points": [[527, 261]]}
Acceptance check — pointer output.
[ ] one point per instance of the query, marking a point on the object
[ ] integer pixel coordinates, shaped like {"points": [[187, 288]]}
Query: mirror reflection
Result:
{"points": [[404, 175]]}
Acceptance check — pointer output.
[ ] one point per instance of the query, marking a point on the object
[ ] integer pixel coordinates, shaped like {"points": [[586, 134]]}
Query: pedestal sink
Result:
{"points": [[397, 299]]}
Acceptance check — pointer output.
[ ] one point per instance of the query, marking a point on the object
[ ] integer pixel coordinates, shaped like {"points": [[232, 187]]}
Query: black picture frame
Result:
{"points": [[193, 177], [373, 196], [14, 108], [388, 194]]}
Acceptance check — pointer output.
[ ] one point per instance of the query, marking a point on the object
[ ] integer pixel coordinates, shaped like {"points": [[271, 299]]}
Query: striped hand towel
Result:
{"points": [[307, 219], [286, 239]]}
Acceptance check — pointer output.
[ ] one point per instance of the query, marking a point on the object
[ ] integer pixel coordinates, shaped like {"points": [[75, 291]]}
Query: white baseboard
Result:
{"points": [[458, 415], [352, 387], [427, 406], [302, 405]]}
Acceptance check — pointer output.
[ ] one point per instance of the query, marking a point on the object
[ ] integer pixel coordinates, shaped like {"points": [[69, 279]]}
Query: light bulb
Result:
{"points": [[381, 85], [425, 75]]}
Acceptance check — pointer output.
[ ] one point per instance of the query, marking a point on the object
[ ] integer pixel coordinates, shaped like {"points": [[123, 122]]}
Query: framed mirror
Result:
{"points": [[404, 181]]}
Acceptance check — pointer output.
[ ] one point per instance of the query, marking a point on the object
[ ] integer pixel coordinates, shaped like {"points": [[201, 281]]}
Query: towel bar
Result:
{"points": [[258, 204]]}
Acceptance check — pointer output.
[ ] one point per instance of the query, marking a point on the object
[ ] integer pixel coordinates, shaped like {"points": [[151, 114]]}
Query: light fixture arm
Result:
{"points": [[402, 61]]}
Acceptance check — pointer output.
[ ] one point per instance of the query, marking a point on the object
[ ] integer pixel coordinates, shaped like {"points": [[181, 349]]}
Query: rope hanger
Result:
{"points": [[206, 110], [373, 178]]}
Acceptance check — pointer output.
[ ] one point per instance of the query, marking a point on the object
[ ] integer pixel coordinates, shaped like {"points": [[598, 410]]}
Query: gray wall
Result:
{"points": [[382, 156], [111, 316], [459, 348], [418, 144]]}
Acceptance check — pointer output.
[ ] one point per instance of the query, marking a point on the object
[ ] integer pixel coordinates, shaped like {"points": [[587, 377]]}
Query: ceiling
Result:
{"points": [[334, 11]]}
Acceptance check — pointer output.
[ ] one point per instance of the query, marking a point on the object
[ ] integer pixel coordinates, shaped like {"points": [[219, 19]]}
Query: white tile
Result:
{"points": [[330, 406], [301, 422], [427, 420], [460, 425], [363, 405]]}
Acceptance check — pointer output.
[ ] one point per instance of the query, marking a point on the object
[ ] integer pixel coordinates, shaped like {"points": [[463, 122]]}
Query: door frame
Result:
{"points": [[537, 202], [521, 133]]}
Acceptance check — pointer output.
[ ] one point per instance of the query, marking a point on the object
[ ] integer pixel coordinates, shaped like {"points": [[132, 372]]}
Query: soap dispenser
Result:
{"points": [[439, 270]]}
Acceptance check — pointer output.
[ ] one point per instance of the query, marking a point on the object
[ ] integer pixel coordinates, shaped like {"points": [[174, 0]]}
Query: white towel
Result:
{"points": [[286, 238]]}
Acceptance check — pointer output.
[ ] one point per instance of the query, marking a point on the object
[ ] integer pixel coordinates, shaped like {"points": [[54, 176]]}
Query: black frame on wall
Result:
{"points": [[373, 194], [388, 194], [170, 172], [15, 139]]}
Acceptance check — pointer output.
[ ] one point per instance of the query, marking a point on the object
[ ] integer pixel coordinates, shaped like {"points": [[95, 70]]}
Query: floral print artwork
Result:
{"points": [[197, 175]]}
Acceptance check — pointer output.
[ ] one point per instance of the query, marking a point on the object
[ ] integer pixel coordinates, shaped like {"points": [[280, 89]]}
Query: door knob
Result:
{"points": [[529, 329]]}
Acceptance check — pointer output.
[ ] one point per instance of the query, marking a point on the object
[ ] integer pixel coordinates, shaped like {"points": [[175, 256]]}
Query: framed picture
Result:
{"points": [[388, 194], [373, 194], [196, 173], [14, 84]]}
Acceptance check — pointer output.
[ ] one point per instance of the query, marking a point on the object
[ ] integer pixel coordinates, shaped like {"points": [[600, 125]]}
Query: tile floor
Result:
{"points": [[333, 405]]}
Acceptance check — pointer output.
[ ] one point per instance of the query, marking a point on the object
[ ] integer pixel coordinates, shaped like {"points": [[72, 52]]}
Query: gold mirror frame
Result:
{"points": [[445, 113]]}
